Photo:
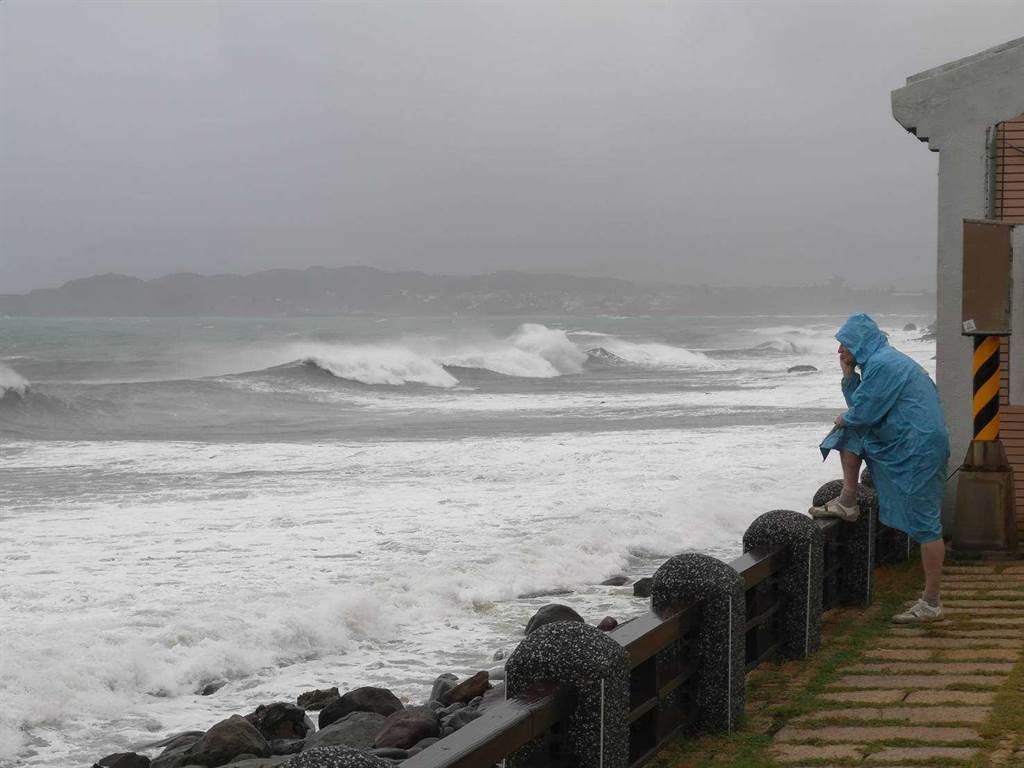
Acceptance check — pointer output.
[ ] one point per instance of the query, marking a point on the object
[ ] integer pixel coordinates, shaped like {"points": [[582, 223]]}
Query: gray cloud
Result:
{"points": [[696, 142]]}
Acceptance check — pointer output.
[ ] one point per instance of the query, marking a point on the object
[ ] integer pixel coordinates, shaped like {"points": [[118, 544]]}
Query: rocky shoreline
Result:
{"points": [[366, 726]]}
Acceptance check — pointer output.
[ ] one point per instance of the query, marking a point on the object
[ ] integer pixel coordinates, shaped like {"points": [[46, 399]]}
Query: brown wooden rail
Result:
{"points": [[658, 649]]}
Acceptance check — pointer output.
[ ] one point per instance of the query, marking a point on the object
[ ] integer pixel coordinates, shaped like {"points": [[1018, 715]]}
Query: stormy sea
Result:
{"points": [[276, 505]]}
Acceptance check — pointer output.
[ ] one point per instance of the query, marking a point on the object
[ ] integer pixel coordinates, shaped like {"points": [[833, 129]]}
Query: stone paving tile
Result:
{"points": [[865, 697], [968, 569], [793, 753], [992, 654], [923, 667], [902, 754], [865, 682], [936, 642], [921, 715], [1000, 621], [991, 633], [951, 697], [857, 734], [906, 654], [1013, 604]]}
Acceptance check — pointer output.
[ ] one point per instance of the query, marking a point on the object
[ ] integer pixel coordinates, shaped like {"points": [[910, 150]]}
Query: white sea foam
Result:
{"points": [[286, 566], [12, 381]]}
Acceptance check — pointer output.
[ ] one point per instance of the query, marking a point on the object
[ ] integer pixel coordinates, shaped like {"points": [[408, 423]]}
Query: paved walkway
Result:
{"points": [[922, 696]]}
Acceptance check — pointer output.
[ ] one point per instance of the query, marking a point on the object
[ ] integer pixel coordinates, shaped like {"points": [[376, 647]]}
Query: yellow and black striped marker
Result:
{"points": [[986, 387]]}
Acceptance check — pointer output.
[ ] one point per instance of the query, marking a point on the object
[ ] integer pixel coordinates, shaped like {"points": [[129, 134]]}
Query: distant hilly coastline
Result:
{"points": [[368, 291]]}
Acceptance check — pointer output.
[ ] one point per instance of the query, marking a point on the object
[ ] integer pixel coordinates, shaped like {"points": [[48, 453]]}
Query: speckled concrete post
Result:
{"points": [[800, 582], [720, 682], [336, 757], [595, 665], [856, 577], [894, 546]]}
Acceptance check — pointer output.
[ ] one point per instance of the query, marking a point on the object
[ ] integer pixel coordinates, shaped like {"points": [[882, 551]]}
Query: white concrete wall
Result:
{"points": [[952, 107]]}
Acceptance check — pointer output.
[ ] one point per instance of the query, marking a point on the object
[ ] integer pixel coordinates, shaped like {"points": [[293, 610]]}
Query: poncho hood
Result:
{"points": [[862, 336]]}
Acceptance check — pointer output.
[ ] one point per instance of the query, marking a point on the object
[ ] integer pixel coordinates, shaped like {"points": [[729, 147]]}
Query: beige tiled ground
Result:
{"points": [[919, 695]]}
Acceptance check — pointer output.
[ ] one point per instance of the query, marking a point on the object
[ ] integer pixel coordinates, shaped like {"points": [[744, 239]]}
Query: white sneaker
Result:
{"points": [[835, 509], [919, 613]]}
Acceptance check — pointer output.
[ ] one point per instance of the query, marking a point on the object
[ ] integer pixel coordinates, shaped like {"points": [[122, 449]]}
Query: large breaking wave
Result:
{"points": [[12, 382]]}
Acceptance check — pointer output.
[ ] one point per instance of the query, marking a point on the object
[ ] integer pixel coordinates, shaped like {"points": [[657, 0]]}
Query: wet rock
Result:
{"points": [[315, 700], [499, 654], [463, 717], [337, 757], [212, 687], [801, 369], [365, 699], [866, 478], [405, 728], [551, 613], [545, 593], [224, 741], [175, 748], [642, 587], [356, 729], [422, 744], [608, 623], [615, 581], [259, 762], [286, 746], [122, 760], [468, 689], [442, 685], [280, 720]]}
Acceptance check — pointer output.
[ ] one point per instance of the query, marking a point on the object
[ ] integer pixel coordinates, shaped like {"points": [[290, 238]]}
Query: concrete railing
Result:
{"points": [[580, 697]]}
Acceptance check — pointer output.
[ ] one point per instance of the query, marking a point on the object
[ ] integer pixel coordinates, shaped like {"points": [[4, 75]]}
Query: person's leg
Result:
{"points": [[932, 555], [851, 477]]}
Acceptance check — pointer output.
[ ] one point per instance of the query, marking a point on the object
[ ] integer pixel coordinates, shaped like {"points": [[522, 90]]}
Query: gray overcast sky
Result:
{"points": [[722, 142]]}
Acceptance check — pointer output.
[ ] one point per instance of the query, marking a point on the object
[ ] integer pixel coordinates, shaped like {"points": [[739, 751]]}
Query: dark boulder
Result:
{"points": [[909, 327], [356, 729], [365, 699], [122, 760], [444, 683], [463, 717], [280, 720], [175, 748], [551, 613], [315, 700], [866, 478], [286, 746], [212, 687], [468, 689], [422, 744], [642, 587], [225, 741], [608, 623], [337, 757], [615, 581], [405, 728], [259, 762], [801, 369]]}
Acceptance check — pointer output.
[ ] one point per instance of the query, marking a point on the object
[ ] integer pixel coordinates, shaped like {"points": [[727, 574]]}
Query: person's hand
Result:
{"points": [[839, 421], [846, 362]]}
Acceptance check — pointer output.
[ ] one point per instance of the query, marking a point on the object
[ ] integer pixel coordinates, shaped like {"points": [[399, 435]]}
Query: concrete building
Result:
{"points": [[971, 112]]}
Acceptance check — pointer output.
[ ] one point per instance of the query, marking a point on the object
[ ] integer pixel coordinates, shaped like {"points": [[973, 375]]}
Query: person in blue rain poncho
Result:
{"points": [[894, 423]]}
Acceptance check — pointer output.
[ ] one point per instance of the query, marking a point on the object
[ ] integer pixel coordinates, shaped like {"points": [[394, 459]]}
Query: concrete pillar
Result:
{"points": [[595, 666], [856, 578], [720, 683], [800, 581]]}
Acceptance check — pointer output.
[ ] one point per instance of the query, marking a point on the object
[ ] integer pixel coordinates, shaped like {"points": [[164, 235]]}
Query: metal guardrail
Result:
{"points": [[658, 648]]}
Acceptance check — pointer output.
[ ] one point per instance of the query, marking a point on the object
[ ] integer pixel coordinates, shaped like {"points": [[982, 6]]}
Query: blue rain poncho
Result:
{"points": [[895, 422]]}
